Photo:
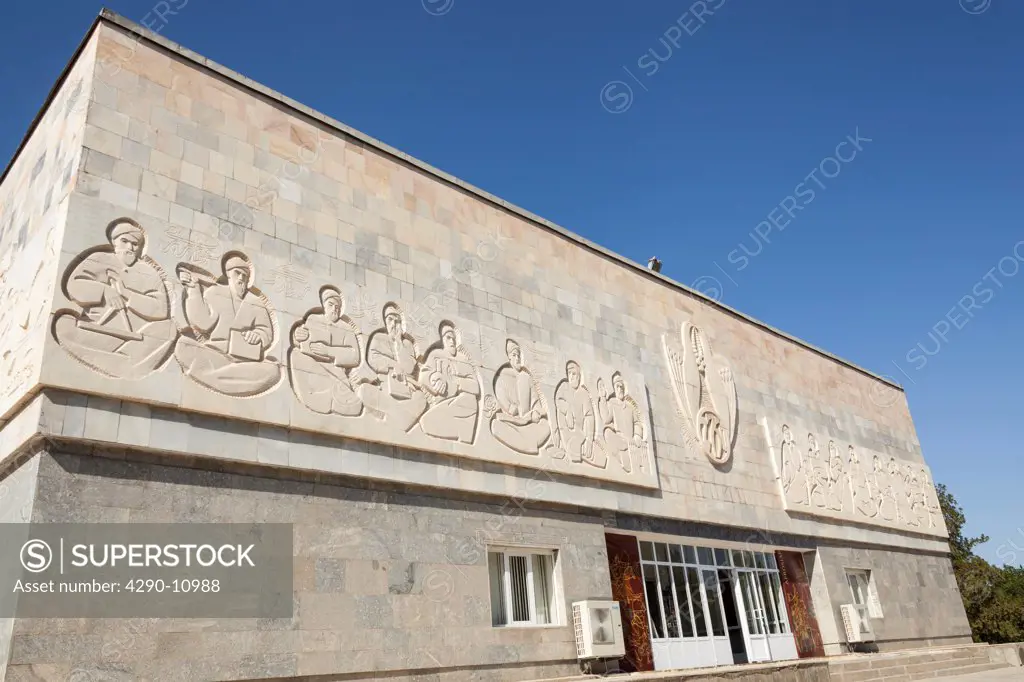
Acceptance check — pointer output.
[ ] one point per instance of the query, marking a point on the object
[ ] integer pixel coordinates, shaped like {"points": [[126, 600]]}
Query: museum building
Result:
{"points": [[220, 306]]}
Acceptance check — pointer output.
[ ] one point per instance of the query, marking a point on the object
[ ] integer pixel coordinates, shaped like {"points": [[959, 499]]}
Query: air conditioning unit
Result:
{"points": [[855, 632], [598, 626]]}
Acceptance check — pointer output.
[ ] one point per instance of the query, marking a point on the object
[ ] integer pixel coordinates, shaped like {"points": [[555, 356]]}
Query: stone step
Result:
{"points": [[914, 665], [966, 670]]}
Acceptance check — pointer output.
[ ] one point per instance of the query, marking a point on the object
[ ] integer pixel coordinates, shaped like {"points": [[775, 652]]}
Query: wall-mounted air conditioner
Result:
{"points": [[858, 627], [598, 626]]}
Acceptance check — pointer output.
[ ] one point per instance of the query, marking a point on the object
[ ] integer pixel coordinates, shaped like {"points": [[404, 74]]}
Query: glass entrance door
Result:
{"points": [[684, 605], [765, 622], [748, 595]]}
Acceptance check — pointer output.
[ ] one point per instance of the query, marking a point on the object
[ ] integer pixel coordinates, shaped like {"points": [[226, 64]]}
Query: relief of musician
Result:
{"points": [[124, 327]]}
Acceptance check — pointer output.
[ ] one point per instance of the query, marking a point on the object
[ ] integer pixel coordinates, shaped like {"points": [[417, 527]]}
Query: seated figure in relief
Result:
{"points": [[325, 349], [232, 328], [574, 417], [817, 473], [518, 412], [453, 388], [838, 479], [888, 507], [795, 481], [622, 426], [124, 329], [862, 484], [396, 394]]}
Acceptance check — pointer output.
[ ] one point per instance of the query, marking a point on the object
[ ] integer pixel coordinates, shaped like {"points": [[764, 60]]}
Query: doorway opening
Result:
{"points": [[732, 618]]}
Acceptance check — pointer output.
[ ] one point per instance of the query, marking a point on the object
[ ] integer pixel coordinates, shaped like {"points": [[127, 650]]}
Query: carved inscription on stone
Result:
{"points": [[196, 248], [232, 328], [122, 327], [705, 393], [845, 486]]}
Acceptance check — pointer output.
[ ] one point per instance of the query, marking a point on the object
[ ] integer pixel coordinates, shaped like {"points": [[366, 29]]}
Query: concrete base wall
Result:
{"points": [[385, 580], [17, 493], [390, 580]]}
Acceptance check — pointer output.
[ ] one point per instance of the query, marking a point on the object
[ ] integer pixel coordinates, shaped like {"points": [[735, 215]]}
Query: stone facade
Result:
{"points": [[34, 193], [912, 589], [390, 359], [386, 578]]}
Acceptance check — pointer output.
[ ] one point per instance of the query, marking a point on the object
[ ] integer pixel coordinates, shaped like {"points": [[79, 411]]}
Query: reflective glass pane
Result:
{"points": [[858, 585], [768, 599], [714, 603], [750, 604], [653, 602], [689, 554], [684, 601], [700, 626], [518, 569], [759, 559], [748, 559], [770, 559], [780, 604], [704, 556], [669, 601], [496, 568], [722, 557], [647, 551], [542, 584], [660, 551], [675, 554], [737, 557]]}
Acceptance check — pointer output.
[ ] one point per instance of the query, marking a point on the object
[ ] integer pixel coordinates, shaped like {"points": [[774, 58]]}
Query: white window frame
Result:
{"points": [[872, 606], [506, 588]]}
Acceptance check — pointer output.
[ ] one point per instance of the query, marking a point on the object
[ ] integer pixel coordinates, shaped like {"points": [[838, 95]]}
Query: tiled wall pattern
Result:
{"points": [[385, 579], [918, 595], [32, 216], [205, 167]]}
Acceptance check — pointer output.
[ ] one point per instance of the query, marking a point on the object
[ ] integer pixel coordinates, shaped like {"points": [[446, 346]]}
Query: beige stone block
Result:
{"points": [[165, 164], [102, 141], [118, 195], [180, 215], [159, 186], [127, 174], [154, 206], [214, 183], [191, 174]]}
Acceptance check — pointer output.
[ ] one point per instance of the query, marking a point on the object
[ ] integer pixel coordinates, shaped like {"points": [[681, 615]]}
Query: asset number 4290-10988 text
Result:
{"points": [[184, 585]]}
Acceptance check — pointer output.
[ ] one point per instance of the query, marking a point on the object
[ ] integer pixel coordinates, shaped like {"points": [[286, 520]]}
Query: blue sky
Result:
{"points": [[715, 134]]}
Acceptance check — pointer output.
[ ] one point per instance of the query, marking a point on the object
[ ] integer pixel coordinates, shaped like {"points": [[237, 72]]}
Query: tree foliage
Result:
{"points": [[993, 596]]}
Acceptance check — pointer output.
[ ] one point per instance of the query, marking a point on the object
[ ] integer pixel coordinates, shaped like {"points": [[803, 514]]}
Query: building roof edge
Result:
{"points": [[306, 111]]}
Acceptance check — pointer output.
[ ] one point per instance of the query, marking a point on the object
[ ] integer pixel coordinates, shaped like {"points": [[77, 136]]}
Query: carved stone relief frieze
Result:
{"points": [[354, 365], [846, 486], [122, 326], [622, 430], [452, 382], [518, 410], [705, 392], [231, 329], [326, 348]]}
